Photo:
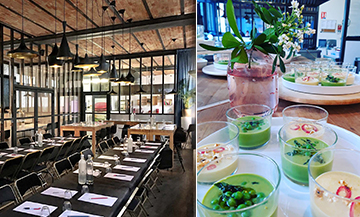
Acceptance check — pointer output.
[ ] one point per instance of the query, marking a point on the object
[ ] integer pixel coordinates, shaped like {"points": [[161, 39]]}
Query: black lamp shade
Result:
{"points": [[22, 52], [141, 90], [91, 72], [52, 60], [104, 66], [112, 92], [86, 63], [130, 77], [173, 91], [113, 74], [76, 61], [64, 50], [122, 80]]}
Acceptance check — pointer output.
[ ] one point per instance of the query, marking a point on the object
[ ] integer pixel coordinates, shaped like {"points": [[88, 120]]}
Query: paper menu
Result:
{"points": [[58, 192], [98, 199], [119, 176], [32, 205], [144, 151], [14, 155], [30, 150], [67, 213], [108, 157], [12, 148], [118, 148], [152, 143], [136, 160], [149, 147], [56, 144], [128, 168], [98, 164]]}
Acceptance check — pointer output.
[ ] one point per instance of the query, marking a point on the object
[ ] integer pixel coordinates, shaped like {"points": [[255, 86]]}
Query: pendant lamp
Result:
{"points": [[91, 72], [22, 52], [113, 73], [130, 77], [76, 61], [103, 66], [64, 49], [86, 63]]}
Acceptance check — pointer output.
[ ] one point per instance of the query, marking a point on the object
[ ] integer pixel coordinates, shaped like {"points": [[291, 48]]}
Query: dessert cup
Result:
{"points": [[299, 141], [335, 189], [254, 122], [309, 113], [215, 139], [253, 172]]}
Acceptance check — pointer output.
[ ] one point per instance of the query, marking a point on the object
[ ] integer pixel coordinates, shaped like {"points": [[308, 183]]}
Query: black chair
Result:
{"points": [[9, 170], [4, 145], [124, 131], [63, 150], [82, 145], [28, 163], [108, 132], [74, 159], [48, 127], [110, 143], [103, 133], [103, 146], [42, 164], [47, 136], [192, 128], [113, 129], [62, 167], [7, 196], [116, 140], [7, 134], [74, 146], [87, 152], [24, 140], [179, 137], [26, 183]]}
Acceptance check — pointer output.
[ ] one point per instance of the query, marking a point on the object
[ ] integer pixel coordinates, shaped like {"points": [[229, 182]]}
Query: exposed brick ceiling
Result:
{"points": [[39, 20]]}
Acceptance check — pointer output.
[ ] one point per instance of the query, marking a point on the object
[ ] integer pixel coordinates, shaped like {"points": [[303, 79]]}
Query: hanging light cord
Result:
{"points": [[92, 33], [77, 11], [22, 16], [55, 22], [86, 25]]}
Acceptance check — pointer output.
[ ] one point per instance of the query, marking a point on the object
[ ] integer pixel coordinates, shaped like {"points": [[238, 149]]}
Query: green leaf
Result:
{"points": [[212, 48], [261, 49], [234, 53], [241, 58], [274, 65], [267, 15], [232, 20], [282, 66], [260, 39], [269, 48], [229, 41], [290, 53], [273, 38], [275, 12], [253, 32]]}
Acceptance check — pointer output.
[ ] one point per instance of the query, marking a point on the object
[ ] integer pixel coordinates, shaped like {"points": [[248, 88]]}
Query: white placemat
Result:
{"points": [[12, 148], [14, 155], [98, 199], [30, 150], [99, 164], [128, 168], [118, 148], [152, 143], [136, 160], [149, 147], [108, 157], [119, 176], [68, 213], [58, 192], [55, 144], [3, 153], [96, 173], [33, 208], [144, 151], [1, 162]]}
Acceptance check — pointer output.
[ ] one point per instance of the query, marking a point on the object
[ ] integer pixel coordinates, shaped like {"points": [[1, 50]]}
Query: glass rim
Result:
{"points": [[245, 105], [302, 149], [276, 187], [321, 187], [307, 105], [219, 122]]}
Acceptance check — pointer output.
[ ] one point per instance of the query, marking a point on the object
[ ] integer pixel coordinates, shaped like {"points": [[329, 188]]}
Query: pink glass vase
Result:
{"points": [[255, 85]]}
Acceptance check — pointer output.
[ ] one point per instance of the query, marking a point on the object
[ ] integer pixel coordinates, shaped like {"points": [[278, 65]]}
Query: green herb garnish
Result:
{"points": [[332, 79], [310, 150]]}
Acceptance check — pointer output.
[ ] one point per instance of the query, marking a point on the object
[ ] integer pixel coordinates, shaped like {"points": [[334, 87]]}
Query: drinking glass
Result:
{"points": [[309, 113], [333, 174], [85, 189], [32, 146], [108, 167], [16, 150], [259, 171], [66, 205], [299, 141], [67, 194], [215, 138], [334, 76], [45, 211], [254, 122], [117, 161]]}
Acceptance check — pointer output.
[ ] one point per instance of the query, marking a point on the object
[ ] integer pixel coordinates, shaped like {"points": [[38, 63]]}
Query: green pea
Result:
{"points": [[261, 194], [222, 203], [308, 153], [260, 199], [253, 118], [226, 208], [308, 147], [248, 203], [259, 128], [244, 130], [228, 193], [243, 184], [254, 200], [245, 214], [231, 202], [232, 215], [241, 206], [216, 207], [215, 201], [247, 196], [252, 192], [237, 195]]}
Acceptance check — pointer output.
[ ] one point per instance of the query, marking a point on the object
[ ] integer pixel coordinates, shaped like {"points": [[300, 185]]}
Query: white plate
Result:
{"points": [[211, 70], [294, 200], [342, 90], [201, 62]]}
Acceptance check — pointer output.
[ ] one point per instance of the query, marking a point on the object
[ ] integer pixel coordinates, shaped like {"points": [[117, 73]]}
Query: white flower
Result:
{"points": [[313, 31], [308, 24], [297, 13], [294, 4], [301, 40], [284, 24]]}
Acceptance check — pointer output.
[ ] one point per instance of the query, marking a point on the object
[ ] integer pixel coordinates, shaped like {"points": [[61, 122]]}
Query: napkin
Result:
{"points": [[57, 192], [3, 153], [12, 148], [144, 151], [108, 157], [1, 162], [152, 143], [98, 164], [136, 160], [14, 155], [56, 144], [30, 150], [128, 168], [98, 199], [149, 147], [119, 176], [67, 213], [118, 148], [96, 173], [37, 212]]}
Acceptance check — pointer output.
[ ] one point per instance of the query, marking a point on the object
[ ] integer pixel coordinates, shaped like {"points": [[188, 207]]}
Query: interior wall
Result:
{"points": [[351, 51]]}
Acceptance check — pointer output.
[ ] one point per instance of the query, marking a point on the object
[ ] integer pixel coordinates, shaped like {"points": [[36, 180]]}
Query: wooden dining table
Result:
{"points": [[212, 103], [78, 127]]}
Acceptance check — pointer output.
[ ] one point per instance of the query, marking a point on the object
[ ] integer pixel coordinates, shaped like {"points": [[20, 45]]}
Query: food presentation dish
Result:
{"points": [[211, 70]]}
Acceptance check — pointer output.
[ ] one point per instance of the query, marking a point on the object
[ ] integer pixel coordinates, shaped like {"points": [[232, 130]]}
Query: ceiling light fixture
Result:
{"points": [[52, 60], [103, 66], [64, 49], [130, 77], [76, 58]]}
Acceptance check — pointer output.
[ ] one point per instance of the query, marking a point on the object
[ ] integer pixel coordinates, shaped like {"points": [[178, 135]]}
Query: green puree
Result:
{"points": [[289, 77], [239, 191], [253, 132], [332, 81], [295, 159], [223, 62]]}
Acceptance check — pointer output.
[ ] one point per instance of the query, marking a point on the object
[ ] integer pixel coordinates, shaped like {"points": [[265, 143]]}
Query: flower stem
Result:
{"points": [[250, 58]]}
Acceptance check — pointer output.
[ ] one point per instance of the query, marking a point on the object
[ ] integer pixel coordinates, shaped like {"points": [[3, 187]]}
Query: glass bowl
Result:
{"points": [[302, 112], [334, 184], [254, 122], [215, 139], [299, 141], [257, 178]]}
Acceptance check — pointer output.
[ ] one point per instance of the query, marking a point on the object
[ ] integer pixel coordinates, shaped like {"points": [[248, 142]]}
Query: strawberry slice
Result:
{"points": [[211, 167], [345, 189], [218, 150], [295, 127], [309, 128], [352, 208]]}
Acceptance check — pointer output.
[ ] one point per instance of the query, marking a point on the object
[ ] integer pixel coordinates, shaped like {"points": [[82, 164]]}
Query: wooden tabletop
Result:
{"points": [[212, 89]]}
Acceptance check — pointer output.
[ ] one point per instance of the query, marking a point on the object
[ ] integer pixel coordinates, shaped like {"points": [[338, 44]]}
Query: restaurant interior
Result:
{"points": [[108, 85]]}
